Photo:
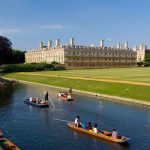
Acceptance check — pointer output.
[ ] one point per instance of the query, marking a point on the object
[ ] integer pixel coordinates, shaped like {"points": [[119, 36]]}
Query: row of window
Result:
{"points": [[100, 64], [58, 59], [75, 53], [102, 59], [52, 54]]}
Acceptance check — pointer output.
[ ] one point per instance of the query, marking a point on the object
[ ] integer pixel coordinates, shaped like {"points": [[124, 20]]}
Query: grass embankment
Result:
{"points": [[116, 89]]}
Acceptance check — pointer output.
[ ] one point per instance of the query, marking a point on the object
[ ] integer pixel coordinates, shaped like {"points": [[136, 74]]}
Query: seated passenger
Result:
{"points": [[37, 100], [30, 99], [59, 94], [34, 100], [114, 133], [95, 128], [89, 126], [69, 96], [77, 122], [83, 125]]}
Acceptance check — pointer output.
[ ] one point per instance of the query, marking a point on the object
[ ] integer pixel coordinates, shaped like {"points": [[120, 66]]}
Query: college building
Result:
{"points": [[75, 56]]}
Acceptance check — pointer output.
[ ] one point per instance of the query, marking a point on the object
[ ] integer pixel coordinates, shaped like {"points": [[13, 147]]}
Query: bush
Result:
{"points": [[31, 67]]}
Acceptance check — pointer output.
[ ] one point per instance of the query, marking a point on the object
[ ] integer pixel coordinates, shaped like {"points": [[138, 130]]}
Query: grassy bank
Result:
{"points": [[129, 74], [115, 89]]}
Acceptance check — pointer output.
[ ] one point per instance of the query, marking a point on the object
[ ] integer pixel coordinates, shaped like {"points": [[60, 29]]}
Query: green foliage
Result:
{"points": [[18, 56], [147, 57], [31, 67], [5, 50]]}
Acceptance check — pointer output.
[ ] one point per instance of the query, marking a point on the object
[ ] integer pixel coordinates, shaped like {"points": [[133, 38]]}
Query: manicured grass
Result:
{"points": [[129, 74], [116, 89]]}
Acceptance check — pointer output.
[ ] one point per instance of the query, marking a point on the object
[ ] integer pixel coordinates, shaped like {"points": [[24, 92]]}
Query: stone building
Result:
{"points": [[74, 56], [140, 52]]}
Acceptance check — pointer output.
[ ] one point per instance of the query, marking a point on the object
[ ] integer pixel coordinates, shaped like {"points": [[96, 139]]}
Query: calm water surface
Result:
{"points": [[33, 128]]}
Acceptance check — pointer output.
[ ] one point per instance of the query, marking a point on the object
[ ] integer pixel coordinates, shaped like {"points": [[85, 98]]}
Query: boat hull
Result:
{"points": [[105, 135], [10, 144], [36, 104], [65, 98]]}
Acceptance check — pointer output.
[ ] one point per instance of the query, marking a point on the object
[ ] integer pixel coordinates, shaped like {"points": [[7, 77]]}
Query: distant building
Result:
{"points": [[74, 56], [140, 52]]}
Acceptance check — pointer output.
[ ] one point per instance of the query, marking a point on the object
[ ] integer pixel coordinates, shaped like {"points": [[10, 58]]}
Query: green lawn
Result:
{"points": [[116, 89], [129, 74]]}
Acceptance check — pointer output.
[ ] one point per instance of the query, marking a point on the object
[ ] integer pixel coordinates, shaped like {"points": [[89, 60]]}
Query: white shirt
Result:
{"points": [[76, 121], [95, 130], [69, 96], [114, 134], [30, 99]]}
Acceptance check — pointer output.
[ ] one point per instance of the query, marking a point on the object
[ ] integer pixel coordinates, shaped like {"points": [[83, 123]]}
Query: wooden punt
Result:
{"points": [[42, 105], [10, 145], [105, 135], [65, 97]]}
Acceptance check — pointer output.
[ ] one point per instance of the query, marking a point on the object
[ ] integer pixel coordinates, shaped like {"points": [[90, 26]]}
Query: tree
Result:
{"points": [[18, 56], [5, 50]]}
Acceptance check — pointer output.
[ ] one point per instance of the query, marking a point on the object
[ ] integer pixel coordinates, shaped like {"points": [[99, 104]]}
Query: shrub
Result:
{"points": [[31, 67]]}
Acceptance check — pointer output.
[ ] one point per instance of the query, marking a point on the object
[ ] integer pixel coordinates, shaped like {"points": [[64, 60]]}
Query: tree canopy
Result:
{"points": [[18, 56], [5, 50]]}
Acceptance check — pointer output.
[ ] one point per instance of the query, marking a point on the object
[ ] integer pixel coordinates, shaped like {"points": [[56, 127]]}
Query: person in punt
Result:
{"points": [[77, 122], [89, 126], [70, 90], [3, 144], [59, 94], [30, 99], [37, 100], [114, 133], [96, 130], [46, 97], [69, 96]]}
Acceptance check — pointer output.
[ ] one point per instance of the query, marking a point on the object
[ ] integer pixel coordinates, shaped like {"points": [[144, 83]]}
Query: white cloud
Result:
{"points": [[57, 26], [9, 30]]}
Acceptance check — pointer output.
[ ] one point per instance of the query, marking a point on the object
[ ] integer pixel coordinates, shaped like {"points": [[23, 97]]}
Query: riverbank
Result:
{"points": [[103, 96]]}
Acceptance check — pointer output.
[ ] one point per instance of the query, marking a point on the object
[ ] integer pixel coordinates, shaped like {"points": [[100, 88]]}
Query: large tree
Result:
{"points": [[18, 56], [5, 50]]}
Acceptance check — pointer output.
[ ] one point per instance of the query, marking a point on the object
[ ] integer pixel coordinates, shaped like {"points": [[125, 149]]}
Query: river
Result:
{"points": [[34, 128]]}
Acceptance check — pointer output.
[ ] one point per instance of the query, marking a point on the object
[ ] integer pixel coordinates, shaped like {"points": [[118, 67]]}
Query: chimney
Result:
{"points": [[72, 42], [57, 42], [41, 45], [49, 44], [126, 45], [102, 44], [118, 46]]}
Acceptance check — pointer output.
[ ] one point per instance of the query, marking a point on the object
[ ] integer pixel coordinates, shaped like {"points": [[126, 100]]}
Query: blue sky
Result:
{"points": [[27, 22]]}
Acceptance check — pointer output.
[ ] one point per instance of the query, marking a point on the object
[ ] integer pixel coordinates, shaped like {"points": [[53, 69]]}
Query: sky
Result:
{"points": [[28, 22]]}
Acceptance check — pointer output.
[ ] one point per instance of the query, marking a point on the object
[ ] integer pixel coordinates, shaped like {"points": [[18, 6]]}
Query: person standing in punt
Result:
{"points": [[77, 122], [46, 97], [70, 90]]}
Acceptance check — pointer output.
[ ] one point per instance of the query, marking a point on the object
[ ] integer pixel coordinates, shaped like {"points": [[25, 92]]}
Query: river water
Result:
{"points": [[34, 128]]}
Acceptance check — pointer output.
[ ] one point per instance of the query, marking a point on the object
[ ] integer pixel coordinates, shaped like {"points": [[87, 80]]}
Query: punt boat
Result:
{"points": [[34, 103], [7, 143], [105, 135], [65, 97]]}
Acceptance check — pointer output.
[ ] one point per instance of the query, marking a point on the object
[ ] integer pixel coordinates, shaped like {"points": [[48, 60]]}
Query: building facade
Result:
{"points": [[140, 52], [74, 56]]}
